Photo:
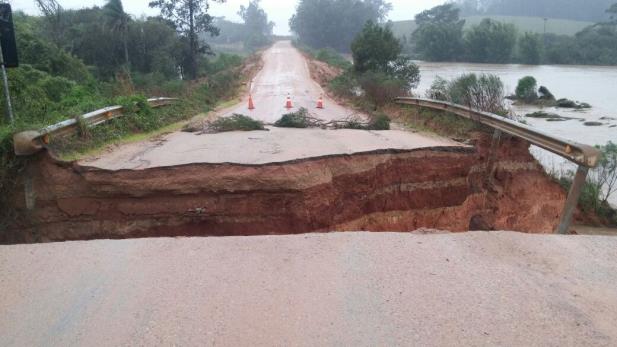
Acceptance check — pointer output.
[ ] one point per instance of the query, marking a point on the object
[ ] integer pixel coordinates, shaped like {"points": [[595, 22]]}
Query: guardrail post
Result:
{"points": [[572, 201]]}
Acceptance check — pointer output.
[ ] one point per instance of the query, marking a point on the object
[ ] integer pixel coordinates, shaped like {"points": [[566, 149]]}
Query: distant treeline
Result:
{"points": [[335, 23], [582, 10], [440, 36]]}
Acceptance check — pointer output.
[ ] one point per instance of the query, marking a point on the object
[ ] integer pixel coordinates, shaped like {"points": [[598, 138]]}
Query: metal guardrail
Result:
{"points": [[580, 154], [31, 142], [584, 156]]}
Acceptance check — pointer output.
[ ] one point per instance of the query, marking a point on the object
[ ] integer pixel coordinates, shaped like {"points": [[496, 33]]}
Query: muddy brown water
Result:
{"points": [[592, 84]]}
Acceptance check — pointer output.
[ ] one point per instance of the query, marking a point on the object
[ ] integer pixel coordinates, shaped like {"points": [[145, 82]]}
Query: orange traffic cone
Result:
{"points": [[289, 104], [320, 102], [251, 104]]}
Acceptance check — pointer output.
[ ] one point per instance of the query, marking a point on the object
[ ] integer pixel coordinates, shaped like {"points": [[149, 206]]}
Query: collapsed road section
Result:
{"points": [[440, 187], [285, 181]]}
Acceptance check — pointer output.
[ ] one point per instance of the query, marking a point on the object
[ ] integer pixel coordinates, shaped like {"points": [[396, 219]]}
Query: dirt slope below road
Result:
{"points": [[381, 190], [474, 289]]}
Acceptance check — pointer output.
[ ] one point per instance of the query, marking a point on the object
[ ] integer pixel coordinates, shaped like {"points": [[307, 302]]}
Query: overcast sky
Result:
{"points": [[279, 11]]}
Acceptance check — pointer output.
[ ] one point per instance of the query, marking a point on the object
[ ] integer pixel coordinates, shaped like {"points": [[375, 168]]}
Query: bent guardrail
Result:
{"points": [[584, 156], [31, 142], [577, 153]]}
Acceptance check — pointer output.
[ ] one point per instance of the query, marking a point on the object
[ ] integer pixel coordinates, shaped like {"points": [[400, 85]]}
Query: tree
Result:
{"points": [[526, 89], [334, 23], [530, 49], [118, 22], [442, 14], [490, 42], [439, 34], [375, 48], [190, 18], [381, 70], [258, 29], [153, 47]]}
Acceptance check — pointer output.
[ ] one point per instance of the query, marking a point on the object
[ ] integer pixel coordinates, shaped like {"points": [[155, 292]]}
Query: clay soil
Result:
{"points": [[446, 188]]}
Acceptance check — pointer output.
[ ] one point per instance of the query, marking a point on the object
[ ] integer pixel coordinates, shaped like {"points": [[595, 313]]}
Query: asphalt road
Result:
{"points": [[285, 72], [353, 289]]}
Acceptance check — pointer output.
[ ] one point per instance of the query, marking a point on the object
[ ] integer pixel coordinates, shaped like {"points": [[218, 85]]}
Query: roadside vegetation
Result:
{"points": [[77, 61], [380, 71], [326, 55], [600, 186], [235, 122], [302, 119]]}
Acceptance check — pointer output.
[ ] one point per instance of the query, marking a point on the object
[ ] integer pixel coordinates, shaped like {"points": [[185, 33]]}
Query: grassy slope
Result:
{"points": [[532, 24]]}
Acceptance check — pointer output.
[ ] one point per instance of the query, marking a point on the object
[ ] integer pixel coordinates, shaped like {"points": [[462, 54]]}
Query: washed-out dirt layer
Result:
{"points": [[385, 190]]}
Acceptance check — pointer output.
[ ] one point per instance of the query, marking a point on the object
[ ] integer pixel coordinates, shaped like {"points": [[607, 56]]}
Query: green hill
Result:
{"points": [[532, 24]]}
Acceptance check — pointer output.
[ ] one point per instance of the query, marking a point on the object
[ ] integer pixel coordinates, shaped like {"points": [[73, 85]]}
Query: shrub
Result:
{"points": [[406, 71], [380, 122], [237, 122], [344, 85], [300, 119], [380, 88], [605, 175], [438, 90], [332, 57], [485, 93], [526, 89], [601, 184]]}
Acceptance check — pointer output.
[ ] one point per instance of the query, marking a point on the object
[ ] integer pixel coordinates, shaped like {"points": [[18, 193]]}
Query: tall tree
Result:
{"points": [[335, 23], [491, 42], [190, 18], [258, 29], [439, 35], [530, 48], [375, 48], [118, 22]]}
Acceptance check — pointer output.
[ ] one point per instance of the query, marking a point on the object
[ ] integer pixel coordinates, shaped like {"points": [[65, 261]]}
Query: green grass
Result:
{"points": [[523, 24]]}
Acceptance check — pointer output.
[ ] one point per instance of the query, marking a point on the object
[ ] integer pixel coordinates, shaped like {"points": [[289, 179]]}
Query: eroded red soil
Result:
{"points": [[440, 188]]}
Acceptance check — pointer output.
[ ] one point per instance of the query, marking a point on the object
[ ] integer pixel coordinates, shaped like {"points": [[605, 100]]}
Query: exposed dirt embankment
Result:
{"points": [[441, 188]]}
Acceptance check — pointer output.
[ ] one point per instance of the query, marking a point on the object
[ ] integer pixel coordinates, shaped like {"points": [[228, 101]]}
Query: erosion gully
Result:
{"points": [[444, 188]]}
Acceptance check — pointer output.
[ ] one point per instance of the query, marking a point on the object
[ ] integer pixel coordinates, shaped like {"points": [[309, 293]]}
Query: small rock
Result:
{"points": [[566, 103], [593, 124], [542, 114]]}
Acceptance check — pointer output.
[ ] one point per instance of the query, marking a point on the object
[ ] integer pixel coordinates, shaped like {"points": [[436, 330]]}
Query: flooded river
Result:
{"points": [[596, 85]]}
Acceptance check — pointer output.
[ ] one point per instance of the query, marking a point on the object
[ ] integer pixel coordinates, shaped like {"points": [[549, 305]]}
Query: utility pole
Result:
{"points": [[7, 95], [545, 21], [8, 53]]}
